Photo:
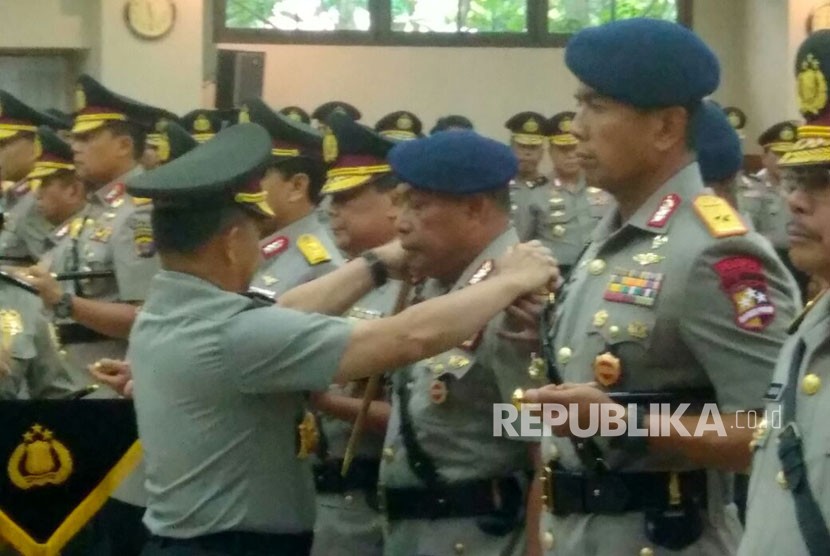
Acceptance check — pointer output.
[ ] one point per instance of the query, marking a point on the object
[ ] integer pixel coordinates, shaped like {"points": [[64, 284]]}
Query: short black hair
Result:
{"points": [[386, 182], [184, 231], [501, 197], [314, 169], [134, 132]]}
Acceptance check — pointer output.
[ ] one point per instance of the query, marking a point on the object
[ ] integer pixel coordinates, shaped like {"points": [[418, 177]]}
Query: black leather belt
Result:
{"points": [[363, 475], [454, 500], [73, 333], [241, 543], [615, 493]]}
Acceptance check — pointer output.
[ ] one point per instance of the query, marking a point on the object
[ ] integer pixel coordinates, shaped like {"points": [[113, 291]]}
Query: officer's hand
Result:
{"points": [[576, 400], [395, 258], [39, 277], [522, 323], [115, 374], [532, 265]]}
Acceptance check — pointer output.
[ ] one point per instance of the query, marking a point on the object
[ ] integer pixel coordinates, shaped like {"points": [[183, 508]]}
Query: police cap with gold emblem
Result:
{"points": [[225, 171], [97, 106], [451, 122], [458, 163], [203, 124], [717, 143], [527, 128], [736, 118], [400, 126], [17, 117], [297, 114], [53, 155], [171, 140], [290, 138], [322, 112], [812, 68], [646, 63], [559, 129], [356, 154], [779, 138]]}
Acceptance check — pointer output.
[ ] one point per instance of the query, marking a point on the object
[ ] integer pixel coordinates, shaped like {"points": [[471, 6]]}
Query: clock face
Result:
{"points": [[150, 19]]}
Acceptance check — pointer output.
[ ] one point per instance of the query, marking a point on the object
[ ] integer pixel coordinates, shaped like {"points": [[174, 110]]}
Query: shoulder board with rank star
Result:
{"points": [[141, 201], [76, 226], [312, 249], [667, 207], [720, 218], [483, 271], [274, 247], [114, 194]]}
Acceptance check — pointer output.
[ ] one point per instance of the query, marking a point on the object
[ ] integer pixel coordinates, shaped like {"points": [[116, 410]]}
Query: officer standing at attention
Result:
{"points": [[563, 213], [113, 235], [789, 504], [362, 218], [448, 485], [219, 378], [675, 300], [527, 137], [400, 126], [24, 229], [297, 247]]}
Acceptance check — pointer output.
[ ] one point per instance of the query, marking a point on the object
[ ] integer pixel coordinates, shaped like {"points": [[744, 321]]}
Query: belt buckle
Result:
{"points": [[547, 487]]}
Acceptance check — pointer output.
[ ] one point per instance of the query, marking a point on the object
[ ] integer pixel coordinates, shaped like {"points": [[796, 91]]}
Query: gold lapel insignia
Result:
{"points": [[638, 330], [645, 259]]}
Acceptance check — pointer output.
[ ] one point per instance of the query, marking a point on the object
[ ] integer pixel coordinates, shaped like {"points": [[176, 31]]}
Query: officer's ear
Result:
{"points": [[671, 127], [300, 183]]}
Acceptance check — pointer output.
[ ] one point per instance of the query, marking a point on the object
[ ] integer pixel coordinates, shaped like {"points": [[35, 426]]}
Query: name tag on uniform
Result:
{"points": [[774, 392]]}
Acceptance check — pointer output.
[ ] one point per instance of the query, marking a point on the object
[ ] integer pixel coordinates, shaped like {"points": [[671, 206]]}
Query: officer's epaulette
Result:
{"points": [[720, 218], [312, 249], [141, 201]]}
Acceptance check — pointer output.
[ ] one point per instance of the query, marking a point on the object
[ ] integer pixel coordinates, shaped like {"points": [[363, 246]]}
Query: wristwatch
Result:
{"points": [[63, 308], [380, 274]]}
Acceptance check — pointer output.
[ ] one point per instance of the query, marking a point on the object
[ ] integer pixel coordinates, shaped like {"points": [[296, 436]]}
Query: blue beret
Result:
{"points": [[718, 145], [647, 63], [458, 162]]}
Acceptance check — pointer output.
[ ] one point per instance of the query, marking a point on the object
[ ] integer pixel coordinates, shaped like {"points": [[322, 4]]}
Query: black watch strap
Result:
{"points": [[63, 308], [380, 275]]}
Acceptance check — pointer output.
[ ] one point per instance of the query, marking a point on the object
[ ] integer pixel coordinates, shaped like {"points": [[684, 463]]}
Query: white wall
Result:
{"points": [[47, 23]]}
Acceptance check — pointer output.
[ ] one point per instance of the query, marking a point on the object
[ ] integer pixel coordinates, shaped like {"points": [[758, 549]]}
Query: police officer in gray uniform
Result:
{"points": [[112, 237], [674, 301], [448, 485], [24, 229], [563, 212], [789, 503], [219, 378], [362, 218], [527, 138], [300, 249]]}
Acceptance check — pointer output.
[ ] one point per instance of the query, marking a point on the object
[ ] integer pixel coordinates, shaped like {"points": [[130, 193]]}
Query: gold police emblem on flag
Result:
{"points": [[80, 98], [812, 87], [330, 148], [202, 124], [39, 460], [404, 123], [531, 126]]}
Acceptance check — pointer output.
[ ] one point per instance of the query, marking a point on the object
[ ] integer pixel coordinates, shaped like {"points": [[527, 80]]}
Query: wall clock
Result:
{"points": [[150, 19]]}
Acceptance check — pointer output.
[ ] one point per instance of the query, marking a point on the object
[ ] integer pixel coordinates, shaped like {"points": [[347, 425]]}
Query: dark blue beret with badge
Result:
{"points": [[646, 63], [225, 171], [17, 117], [451, 122], [717, 143], [458, 163], [290, 138]]}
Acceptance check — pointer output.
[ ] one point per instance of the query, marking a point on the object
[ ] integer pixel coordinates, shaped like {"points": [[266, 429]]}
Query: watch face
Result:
{"points": [[150, 19]]}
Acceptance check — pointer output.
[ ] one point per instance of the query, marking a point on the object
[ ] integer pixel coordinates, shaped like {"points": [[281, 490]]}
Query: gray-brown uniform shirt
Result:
{"points": [[561, 217], [682, 309], [775, 213], [218, 395], [451, 409], [298, 253], [772, 526], [28, 346], [25, 230]]}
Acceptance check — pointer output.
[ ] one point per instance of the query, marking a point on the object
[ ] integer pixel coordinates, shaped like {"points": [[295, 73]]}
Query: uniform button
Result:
{"points": [[388, 454], [458, 548], [349, 499], [781, 480], [811, 384], [547, 540], [564, 355], [646, 551], [614, 331], [596, 267], [559, 230]]}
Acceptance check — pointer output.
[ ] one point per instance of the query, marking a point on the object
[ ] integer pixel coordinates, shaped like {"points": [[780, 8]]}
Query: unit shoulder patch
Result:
{"points": [[312, 249], [743, 280], [720, 218]]}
